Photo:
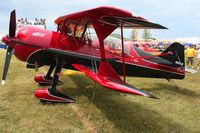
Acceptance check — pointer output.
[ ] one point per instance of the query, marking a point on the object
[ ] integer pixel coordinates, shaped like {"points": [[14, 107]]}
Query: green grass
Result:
{"points": [[177, 110]]}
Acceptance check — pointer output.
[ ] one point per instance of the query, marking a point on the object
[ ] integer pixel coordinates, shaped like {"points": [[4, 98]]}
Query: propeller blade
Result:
{"points": [[7, 63], [12, 25]]}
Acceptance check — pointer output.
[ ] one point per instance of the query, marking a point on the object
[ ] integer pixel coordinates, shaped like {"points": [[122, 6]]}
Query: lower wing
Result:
{"points": [[110, 82]]}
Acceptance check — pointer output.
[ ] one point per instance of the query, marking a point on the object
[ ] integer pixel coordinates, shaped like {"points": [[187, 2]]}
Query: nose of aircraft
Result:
{"points": [[5, 39], [8, 41]]}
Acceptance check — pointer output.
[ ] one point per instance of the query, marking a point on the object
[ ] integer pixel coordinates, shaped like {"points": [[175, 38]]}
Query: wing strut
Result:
{"points": [[123, 60]]}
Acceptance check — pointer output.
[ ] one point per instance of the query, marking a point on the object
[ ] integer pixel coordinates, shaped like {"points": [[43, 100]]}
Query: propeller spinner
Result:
{"points": [[7, 40]]}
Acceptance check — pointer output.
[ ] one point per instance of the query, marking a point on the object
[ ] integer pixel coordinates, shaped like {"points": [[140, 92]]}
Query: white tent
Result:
{"points": [[1, 37], [193, 40]]}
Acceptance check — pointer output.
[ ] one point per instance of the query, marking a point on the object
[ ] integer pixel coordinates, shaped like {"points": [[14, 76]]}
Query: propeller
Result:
{"points": [[12, 30], [12, 25]]}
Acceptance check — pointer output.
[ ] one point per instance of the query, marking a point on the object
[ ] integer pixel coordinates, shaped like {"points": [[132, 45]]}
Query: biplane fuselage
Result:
{"points": [[32, 42]]}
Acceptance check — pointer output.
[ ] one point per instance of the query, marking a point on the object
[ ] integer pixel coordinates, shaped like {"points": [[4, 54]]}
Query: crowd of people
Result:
{"points": [[24, 21], [191, 53]]}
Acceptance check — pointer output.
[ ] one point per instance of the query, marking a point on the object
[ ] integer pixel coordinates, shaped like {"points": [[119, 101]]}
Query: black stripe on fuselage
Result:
{"points": [[78, 55], [47, 58]]}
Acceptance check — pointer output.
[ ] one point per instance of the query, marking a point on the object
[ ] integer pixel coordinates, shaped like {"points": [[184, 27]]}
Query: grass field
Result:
{"points": [[177, 110]]}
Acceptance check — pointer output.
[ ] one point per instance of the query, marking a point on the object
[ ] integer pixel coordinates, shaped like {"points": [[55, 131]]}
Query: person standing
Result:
{"points": [[190, 54], [198, 58], [36, 21]]}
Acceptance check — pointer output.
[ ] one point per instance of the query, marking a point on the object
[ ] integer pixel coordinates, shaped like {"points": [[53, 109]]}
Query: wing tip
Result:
{"points": [[153, 97], [146, 94], [149, 95]]}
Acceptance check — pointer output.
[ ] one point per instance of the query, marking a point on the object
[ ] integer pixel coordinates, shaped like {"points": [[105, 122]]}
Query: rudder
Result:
{"points": [[175, 54]]}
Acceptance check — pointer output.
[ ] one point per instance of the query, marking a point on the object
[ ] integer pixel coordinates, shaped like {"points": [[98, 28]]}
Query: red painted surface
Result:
{"points": [[22, 52], [43, 94], [106, 70], [40, 79], [5, 39]]}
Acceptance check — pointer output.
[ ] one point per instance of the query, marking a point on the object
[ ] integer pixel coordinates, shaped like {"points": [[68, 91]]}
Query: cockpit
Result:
{"points": [[75, 30]]}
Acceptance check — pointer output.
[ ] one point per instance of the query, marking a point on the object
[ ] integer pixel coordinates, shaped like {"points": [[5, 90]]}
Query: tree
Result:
{"points": [[146, 34], [134, 34]]}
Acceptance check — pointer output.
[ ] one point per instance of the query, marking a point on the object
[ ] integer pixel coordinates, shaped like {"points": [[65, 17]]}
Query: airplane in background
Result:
{"points": [[71, 47]]}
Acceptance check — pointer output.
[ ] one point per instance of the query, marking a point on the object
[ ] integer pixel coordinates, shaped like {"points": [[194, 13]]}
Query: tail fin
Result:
{"points": [[175, 54]]}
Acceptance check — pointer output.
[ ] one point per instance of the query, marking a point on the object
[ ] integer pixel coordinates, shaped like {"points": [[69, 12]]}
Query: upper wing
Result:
{"points": [[106, 19], [107, 78], [130, 22], [95, 13], [111, 16]]}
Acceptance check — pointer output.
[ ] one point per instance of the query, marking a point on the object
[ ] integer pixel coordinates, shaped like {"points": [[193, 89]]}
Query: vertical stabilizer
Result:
{"points": [[175, 54]]}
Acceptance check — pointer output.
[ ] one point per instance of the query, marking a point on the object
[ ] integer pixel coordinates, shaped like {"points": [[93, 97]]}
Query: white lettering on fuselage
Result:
{"points": [[38, 34]]}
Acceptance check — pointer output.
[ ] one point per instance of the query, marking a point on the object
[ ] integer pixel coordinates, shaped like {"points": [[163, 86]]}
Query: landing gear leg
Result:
{"points": [[46, 80], [58, 69], [48, 75], [51, 94]]}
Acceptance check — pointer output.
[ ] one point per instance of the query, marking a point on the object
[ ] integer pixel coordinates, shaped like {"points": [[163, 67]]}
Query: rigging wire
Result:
{"points": [[93, 62], [123, 59]]}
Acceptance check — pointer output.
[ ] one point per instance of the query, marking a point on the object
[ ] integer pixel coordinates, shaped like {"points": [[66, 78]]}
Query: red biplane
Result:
{"points": [[71, 47]]}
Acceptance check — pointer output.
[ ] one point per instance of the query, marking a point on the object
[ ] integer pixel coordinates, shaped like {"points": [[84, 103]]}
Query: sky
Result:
{"points": [[182, 17]]}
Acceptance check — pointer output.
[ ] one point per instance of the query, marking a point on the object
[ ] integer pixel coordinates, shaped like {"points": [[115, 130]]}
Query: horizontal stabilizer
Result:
{"points": [[111, 82], [190, 70]]}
